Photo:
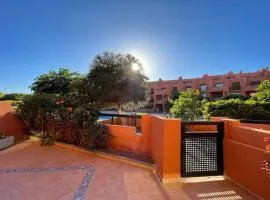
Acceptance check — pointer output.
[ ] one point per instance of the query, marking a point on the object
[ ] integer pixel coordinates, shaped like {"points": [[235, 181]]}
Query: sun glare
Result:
{"points": [[142, 59], [135, 66]]}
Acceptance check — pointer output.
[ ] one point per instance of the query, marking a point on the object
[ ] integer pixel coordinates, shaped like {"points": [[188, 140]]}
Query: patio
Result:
{"points": [[29, 171]]}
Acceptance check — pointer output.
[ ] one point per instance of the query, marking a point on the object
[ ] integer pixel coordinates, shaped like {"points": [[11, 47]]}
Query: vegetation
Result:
{"points": [[54, 82], [255, 108], [187, 106], [2, 95], [190, 107], [237, 109], [263, 94], [11, 96], [112, 80], [65, 105], [235, 96]]}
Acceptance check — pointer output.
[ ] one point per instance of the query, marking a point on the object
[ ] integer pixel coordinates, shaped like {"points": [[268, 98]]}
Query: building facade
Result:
{"points": [[214, 87]]}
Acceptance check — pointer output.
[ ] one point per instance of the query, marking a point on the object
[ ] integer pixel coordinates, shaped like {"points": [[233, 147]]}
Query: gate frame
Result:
{"points": [[219, 146]]}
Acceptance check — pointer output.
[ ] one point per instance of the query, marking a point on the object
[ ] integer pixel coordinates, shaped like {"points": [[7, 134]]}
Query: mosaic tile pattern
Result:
{"points": [[81, 191]]}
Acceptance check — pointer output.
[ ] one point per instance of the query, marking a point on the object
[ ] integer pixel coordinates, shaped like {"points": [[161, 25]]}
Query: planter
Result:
{"points": [[6, 142]]}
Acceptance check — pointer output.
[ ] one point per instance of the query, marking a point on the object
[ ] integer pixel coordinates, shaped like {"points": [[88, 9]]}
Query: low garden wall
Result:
{"points": [[123, 121], [10, 124], [126, 138], [258, 126], [159, 138], [244, 153], [165, 147]]}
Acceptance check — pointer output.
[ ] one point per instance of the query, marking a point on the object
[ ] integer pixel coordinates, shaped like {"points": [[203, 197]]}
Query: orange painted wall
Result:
{"points": [[159, 137], [10, 124], [125, 138], [123, 121], [244, 154], [165, 147], [258, 126], [5, 107], [202, 128]]}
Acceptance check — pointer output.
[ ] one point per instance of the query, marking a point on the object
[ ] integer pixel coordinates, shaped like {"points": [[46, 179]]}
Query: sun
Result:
{"points": [[142, 59], [135, 67]]}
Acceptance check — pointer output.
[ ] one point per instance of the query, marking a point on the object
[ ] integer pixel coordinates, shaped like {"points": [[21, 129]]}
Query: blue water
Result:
{"points": [[102, 118]]}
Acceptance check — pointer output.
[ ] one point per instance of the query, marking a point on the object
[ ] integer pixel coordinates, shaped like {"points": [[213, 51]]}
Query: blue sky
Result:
{"points": [[172, 38]]}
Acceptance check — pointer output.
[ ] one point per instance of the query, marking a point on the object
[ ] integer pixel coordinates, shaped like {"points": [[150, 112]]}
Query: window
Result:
{"points": [[236, 86], [203, 88], [152, 90], [219, 85], [255, 83], [158, 97]]}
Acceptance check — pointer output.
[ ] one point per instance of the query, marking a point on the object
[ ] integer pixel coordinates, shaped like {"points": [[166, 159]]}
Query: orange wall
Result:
{"points": [[202, 128], [159, 137], [165, 147], [125, 138], [5, 107], [123, 121], [10, 124], [244, 154], [258, 126]]}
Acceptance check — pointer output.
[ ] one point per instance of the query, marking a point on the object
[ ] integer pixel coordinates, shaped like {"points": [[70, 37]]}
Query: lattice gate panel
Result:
{"points": [[201, 154]]}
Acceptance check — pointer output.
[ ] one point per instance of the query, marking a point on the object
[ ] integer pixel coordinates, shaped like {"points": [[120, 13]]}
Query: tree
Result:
{"points": [[54, 82], [187, 106], [112, 80], [263, 94], [2, 94]]}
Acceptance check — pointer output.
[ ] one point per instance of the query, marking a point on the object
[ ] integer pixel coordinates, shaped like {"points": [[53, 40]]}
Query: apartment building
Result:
{"points": [[214, 86]]}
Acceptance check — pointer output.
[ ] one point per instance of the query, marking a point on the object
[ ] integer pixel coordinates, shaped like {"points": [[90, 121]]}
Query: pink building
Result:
{"points": [[215, 86]]}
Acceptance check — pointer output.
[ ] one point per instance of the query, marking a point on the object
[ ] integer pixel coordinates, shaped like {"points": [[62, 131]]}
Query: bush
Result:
{"points": [[75, 124], [187, 106], [12, 96], [235, 96], [237, 109]]}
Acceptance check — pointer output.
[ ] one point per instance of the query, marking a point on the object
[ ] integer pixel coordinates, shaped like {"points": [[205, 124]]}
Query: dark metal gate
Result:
{"points": [[202, 151]]}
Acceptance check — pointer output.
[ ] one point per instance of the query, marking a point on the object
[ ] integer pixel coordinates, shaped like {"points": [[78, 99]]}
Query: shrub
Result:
{"points": [[237, 109], [75, 124], [187, 106], [235, 96], [11, 96]]}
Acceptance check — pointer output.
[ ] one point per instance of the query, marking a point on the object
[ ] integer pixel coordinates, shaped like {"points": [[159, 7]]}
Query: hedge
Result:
{"points": [[237, 109]]}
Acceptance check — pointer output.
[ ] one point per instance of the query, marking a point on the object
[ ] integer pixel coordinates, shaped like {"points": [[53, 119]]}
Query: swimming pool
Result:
{"points": [[102, 118]]}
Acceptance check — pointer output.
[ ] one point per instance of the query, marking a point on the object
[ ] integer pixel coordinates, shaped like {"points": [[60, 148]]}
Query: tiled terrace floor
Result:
{"points": [[29, 171]]}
